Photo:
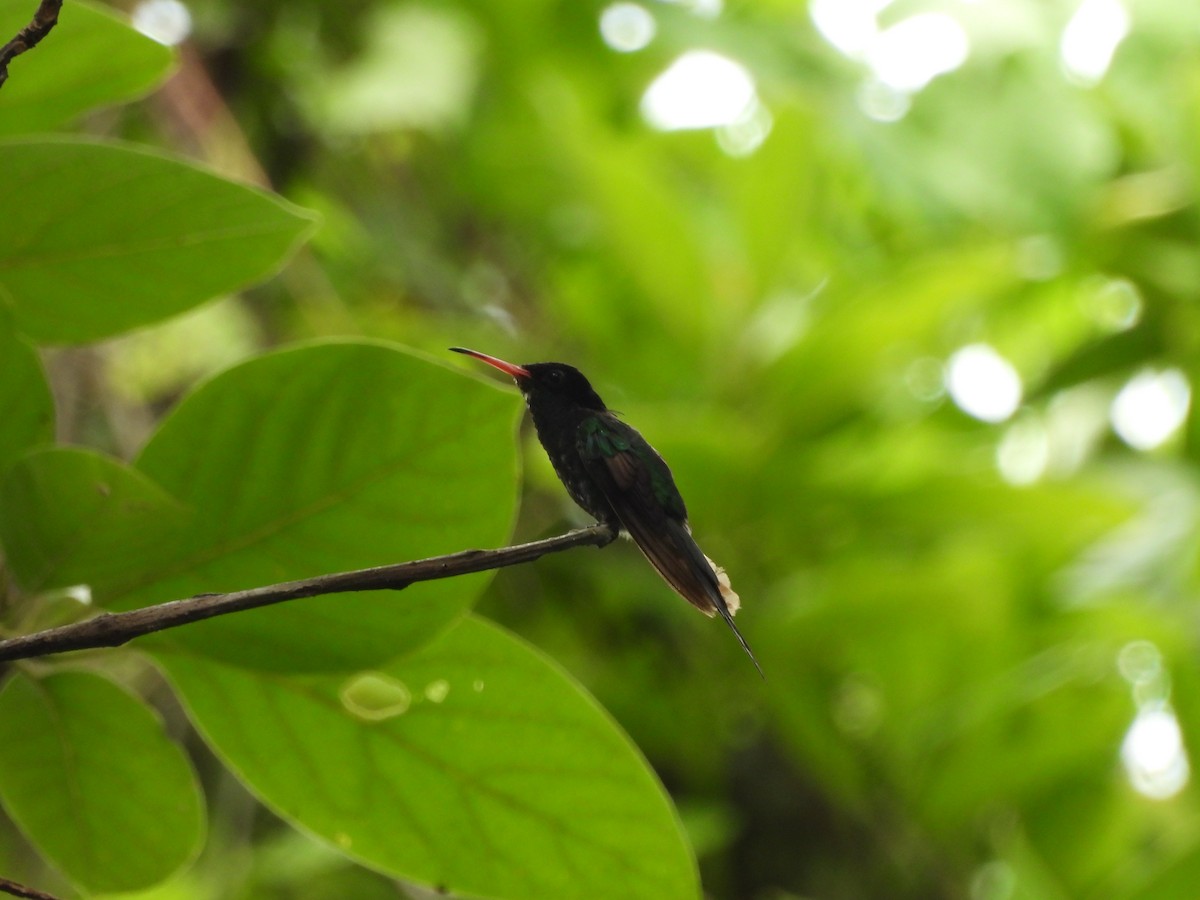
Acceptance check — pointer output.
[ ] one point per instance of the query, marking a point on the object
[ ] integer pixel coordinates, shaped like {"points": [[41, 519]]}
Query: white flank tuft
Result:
{"points": [[732, 600]]}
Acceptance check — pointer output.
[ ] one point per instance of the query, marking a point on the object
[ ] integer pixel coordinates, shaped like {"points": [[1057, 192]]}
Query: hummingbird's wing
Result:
{"points": [[641, 491], [639, 487]]}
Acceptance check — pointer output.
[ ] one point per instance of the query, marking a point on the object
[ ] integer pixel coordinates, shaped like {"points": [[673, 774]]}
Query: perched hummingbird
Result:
{"points": [[613, 473]]}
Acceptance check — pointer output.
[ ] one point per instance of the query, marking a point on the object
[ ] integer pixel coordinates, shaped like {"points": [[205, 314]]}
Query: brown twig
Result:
{"points": [[20, 890], [114, 629], [28, 37]]}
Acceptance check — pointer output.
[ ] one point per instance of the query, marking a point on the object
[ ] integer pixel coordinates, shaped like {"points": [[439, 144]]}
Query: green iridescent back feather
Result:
{"points": [[605, 437]]}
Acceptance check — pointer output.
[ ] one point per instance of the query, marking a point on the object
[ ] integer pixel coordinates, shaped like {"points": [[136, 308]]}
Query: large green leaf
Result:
{"points": [[70, 516], [307, 461], [26, 407], [475, 766], [90, 59], [88, 774], [111, 237]]}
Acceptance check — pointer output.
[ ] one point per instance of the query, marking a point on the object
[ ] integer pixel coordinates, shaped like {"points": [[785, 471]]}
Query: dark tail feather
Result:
{"points": [[728, 617], [683, 565]]}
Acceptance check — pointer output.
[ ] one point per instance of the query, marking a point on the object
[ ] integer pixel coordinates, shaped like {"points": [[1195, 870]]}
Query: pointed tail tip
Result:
{"points": [[728, 617], [761, 673], [750, 653]]}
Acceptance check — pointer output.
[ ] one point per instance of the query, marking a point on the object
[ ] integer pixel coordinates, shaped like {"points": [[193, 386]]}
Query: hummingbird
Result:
{"points": [[614, 474]]}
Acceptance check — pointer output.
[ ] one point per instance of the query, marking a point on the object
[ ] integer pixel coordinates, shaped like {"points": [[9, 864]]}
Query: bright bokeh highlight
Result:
{"points": [[983, 383], [1151, 407], [1153, 753], [848, 25], [901, 59], [914, 51], [1092, 37], [627, 27], [700, 89], [167, 21]]}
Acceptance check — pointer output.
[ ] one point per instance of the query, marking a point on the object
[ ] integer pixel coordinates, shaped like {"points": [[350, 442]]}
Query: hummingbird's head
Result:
{"points": [[552, 382], [562, 382]]}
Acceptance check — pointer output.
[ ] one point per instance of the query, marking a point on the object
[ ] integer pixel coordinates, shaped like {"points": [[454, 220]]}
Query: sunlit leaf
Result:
{"points": [[111, 237], [474, 766]]}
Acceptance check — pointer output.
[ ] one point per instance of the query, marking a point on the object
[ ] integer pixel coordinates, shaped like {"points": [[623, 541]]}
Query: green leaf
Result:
{"points": [[26, 407], [475, 766], [111, 237], [325, 458], [92, 58], [70, 516], [89, 776], [307, 461]]}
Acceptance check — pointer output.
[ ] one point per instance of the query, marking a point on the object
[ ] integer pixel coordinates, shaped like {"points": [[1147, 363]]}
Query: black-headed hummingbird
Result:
{"points": [[612, 472]]}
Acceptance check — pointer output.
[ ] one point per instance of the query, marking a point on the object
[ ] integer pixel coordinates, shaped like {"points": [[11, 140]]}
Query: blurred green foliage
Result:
{"points": [[980, 636]]}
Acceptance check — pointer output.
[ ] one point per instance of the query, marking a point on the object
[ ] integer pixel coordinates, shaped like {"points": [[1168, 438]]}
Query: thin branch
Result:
{"points": [[20, 890], [28, 37], [114, 629]]}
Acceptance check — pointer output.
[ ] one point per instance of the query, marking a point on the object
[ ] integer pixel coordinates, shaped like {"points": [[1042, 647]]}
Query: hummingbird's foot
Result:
{"points": [[613, 532]]}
